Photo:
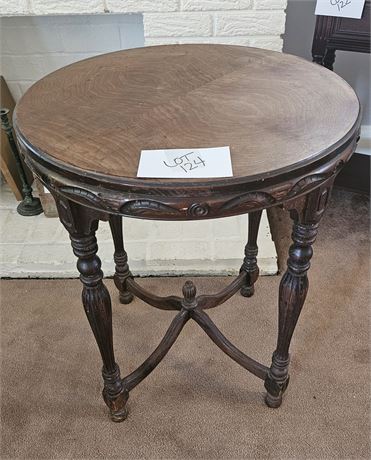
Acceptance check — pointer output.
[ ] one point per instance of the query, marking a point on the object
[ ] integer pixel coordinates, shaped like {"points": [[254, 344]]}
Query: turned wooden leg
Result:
{"points": [[306, 213], [122, 272], [318, 58], [329, 59], [326, 59], [250, 265], [82, 224], [292, 294]]}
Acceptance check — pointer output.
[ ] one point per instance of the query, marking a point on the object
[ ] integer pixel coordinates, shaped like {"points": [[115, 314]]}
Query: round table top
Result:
{"points": [[275, 111]]}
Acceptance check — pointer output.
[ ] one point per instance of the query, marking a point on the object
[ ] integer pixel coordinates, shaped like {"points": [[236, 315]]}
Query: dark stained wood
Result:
{"points": [[263, 104], [306, 212], [205, 302], [291, 125], [225, 345], [82, 225], [8, 165], [344, 34], [122, 272], [162, 303], [191, 201], [159, 353], [250, 264], [98, 114], [190, 307]]}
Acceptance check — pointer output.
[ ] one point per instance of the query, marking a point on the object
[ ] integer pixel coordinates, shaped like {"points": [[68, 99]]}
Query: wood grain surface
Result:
{"points": [[274, 110]]}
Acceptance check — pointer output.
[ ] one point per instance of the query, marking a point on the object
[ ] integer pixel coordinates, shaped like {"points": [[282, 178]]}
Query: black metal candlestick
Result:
{"points": [[29, 206]]}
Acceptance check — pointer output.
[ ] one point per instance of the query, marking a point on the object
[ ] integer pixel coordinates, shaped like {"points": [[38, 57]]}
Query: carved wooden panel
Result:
{"points": [[345, 34]]}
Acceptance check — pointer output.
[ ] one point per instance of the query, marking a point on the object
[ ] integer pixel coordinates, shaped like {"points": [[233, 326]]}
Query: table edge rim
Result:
{"points": [[77, 173]]}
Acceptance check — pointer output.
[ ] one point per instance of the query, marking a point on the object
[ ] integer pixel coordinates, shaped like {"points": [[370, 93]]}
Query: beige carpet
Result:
{"points": [[197, 403]]}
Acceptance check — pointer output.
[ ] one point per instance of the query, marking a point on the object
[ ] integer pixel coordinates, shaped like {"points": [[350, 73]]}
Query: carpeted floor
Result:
{"points": [[197, 403]]}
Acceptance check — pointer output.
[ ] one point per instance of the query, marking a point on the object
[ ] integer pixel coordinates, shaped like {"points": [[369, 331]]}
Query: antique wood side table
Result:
{"points": [[291, 125]]}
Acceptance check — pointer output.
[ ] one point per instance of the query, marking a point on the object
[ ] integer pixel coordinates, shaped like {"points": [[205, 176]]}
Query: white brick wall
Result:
{"points": [[215, 5], [33, 46], [178, 24], [65, 6], [240, 22], [140, 6], [237, 23], [179, 21], [43, 46]]}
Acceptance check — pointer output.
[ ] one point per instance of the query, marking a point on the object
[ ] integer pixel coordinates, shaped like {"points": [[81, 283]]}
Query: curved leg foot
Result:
{"points": [[250, 265], [122, 272], [276, 381], [272, 401], [247, 291], [126, 297], [275, 401], [119, 416], [115, 395]]}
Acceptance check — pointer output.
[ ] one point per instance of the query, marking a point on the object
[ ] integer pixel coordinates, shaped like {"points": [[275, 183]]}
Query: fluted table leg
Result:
{"points": [[250, 265], [82, 224], [122, 272], [306, 213]]}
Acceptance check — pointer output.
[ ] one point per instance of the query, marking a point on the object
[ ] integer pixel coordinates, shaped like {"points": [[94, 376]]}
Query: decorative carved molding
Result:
{"points": [[199, 210], [143, 207], [179, 202], [249, 200], [306, 183], [310, 208], [84, 196], [189, 291], [241, 203], [65, 214]]}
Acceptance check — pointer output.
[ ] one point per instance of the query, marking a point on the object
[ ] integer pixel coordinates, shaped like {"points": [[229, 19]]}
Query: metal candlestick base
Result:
{"points": [[29, 206]]}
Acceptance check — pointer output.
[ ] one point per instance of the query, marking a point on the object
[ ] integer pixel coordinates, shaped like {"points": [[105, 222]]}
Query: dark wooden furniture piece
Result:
{"points": [[30, 205], [8, 164], [344, 34], [81, 130]]}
